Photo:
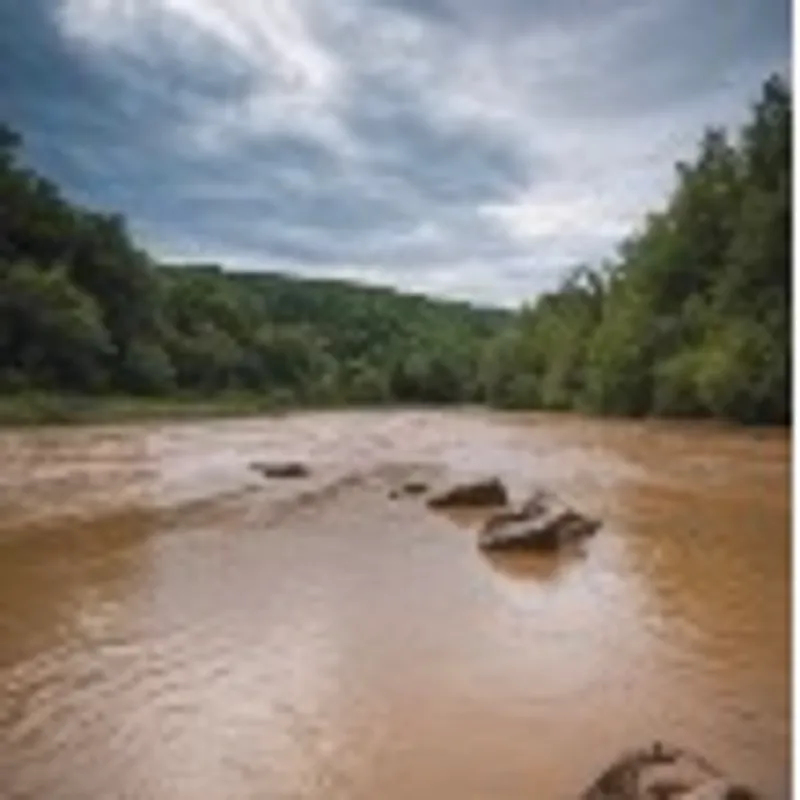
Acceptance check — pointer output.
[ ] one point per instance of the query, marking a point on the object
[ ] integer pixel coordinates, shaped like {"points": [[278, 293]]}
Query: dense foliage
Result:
{"points": [[82, 310], [693, 318]]}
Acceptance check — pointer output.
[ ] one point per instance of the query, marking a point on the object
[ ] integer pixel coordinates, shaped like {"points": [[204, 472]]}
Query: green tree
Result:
{"points": [[50, 331]]}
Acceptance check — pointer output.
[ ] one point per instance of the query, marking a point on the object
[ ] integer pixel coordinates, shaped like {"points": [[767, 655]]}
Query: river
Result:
{"points": [[174, 626]]}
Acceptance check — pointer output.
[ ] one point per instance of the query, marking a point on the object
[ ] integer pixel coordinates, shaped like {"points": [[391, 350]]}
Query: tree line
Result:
{"points": [[692, 318]]}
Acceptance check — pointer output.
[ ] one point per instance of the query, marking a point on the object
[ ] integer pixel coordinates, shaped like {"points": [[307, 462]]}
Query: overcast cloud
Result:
{"points": [[460, 147]]}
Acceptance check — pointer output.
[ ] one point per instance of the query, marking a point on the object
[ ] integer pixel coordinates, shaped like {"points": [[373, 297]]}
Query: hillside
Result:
{"points": [[83, 310]]}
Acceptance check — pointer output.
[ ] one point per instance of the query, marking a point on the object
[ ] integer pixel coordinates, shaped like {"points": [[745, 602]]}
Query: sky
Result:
{"points": [[462, 148]]}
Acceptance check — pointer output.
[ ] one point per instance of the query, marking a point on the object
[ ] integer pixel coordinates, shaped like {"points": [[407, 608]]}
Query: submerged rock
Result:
{"points": [[471, 494], [281, 469], [662, 772], [542, 522]]}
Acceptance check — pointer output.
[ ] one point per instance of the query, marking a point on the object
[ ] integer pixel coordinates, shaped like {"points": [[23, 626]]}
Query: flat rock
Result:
{"points": [[542, 522], [481, 493], [662, 772], [281, 469]]}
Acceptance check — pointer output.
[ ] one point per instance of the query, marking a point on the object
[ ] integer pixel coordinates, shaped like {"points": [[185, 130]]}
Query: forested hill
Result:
{"points": [[333, 341], [82, 310], [691, 318]]}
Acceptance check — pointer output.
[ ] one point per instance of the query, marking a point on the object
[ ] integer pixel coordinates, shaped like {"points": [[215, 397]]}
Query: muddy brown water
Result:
{"points": [[174, 626]]}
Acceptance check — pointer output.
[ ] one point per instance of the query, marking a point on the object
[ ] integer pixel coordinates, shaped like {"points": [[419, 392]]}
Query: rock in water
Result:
{"points": [[542, 522], [539, 501], [412, 487], [471, 494], [664, 773], [415, 487], [281, 469]]}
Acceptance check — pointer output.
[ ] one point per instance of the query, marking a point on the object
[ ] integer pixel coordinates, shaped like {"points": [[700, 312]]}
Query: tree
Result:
{"points": [[50, 331], [694, 317]]}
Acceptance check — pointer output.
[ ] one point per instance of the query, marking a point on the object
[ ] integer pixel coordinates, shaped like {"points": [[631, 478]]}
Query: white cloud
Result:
{"points": [[292, 79], [538, 217], [273, 38]]}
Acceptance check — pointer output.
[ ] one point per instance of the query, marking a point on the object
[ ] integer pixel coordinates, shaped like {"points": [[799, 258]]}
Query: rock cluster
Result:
{"points": [[542, 522]]}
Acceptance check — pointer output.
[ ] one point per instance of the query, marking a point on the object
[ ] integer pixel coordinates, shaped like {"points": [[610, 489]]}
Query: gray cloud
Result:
{"points": [[453, 146]]}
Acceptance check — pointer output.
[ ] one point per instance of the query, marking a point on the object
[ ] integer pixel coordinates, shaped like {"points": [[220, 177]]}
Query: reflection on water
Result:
{"points": [[172, 626]]}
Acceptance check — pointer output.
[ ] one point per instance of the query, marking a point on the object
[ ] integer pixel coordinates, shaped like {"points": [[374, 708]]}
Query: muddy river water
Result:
{"points": [[173, 626]]}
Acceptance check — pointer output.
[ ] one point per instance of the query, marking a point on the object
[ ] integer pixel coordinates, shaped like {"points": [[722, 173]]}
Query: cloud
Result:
{"points": [[453, 146]]}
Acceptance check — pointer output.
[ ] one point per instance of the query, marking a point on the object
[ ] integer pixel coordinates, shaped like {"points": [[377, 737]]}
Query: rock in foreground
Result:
{"points": [[664, 773], [482, 493], [281, 469], [543, 522]]}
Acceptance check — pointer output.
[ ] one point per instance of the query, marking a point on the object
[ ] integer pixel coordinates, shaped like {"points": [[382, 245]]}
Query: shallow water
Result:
{"points": [[174, 626]]}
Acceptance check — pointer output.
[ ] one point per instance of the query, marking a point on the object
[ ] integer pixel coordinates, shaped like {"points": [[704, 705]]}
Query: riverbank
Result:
{"points": [[47, 409], [56, 409]]}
